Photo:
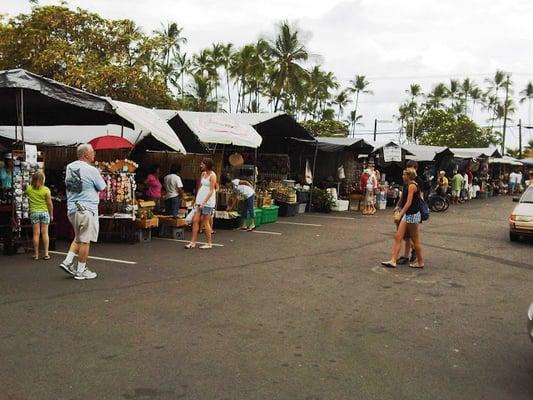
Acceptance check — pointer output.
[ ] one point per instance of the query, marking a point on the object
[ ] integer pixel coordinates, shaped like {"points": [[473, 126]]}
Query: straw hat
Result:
{"points": [[236, 160]]}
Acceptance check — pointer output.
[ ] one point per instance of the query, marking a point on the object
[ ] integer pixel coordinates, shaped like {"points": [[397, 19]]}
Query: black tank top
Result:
{"points": [[415, 204]]}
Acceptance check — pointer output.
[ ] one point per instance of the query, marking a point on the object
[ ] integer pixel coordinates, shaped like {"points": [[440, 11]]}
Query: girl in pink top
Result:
{"points": [[152, 189]]}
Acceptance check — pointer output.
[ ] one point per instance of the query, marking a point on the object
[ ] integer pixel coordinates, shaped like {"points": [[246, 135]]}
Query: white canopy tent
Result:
{"points": [[220, 128], [146, 121]]}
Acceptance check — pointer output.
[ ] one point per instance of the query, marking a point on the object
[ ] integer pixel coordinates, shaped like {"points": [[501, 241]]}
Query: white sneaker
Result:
{"points": [[85, 274], [68, 268]]}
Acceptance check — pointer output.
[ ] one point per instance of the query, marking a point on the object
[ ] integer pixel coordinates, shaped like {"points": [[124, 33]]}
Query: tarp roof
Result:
{"points": [[219, 128], [424, 153], [334, 144], [47, 103], [475, 152], [527, 161], [506, 160]]}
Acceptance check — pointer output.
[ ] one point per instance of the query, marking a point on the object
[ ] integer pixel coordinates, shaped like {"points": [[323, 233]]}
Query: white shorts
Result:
{"points": [[86, 226]]}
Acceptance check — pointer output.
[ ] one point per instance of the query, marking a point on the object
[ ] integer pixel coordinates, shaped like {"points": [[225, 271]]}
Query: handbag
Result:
{"points": [[424, 210], [397, 216]]}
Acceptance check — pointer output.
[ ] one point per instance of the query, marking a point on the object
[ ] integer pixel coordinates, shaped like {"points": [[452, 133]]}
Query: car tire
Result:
{"points": [[513, 237]]}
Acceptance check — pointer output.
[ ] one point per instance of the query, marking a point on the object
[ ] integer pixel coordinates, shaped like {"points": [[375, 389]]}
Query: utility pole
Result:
{"points": [[505, 104], [375, 128], [520, 138]]}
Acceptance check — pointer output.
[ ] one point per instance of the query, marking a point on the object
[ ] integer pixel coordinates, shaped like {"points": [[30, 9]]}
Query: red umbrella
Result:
{"points": [[110, 142]]}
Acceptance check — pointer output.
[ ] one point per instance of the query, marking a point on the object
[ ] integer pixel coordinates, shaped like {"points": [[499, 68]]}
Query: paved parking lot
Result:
{"points": [[300, 309]]}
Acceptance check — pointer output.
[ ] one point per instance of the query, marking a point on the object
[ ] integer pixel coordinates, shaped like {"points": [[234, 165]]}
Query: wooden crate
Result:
{"points": [[147, 223]]}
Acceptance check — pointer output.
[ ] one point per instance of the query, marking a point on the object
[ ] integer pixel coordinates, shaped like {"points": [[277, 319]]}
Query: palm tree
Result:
{"points": [[495, 84], [227, 53], [359, 85], [353, 120], [172, 40], [318, 86], [435, 98], [476, 95], [342, 99], [200, 91], [183, 66], [453, 89], [216, 61], [415, 91], [527, 94], [287, 53], [465, 90]]}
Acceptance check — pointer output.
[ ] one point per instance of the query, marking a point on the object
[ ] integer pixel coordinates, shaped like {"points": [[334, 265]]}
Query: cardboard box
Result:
{"points": [[147, 223]]}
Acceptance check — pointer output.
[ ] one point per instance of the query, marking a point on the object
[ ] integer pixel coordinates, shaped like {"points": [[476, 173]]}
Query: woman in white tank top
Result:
{"points": [[204, 204]]}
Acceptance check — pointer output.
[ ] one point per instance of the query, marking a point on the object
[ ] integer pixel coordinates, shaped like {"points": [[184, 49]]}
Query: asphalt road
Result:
{"points": [[303, 312]]}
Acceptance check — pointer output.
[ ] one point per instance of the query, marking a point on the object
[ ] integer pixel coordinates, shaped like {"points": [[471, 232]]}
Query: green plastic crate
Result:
{"points": [[258, 217], [270, 214]]}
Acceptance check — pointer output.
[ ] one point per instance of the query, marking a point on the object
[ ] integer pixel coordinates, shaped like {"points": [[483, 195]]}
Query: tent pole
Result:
{"points": [[22, 115], [122, 128], [255, 166], [313, 178]]}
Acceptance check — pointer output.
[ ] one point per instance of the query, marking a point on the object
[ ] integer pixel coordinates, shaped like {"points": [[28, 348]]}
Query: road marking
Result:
{"points": [[186, 241], [267, 232], [325, 216], [297, 223], [100, 258]]}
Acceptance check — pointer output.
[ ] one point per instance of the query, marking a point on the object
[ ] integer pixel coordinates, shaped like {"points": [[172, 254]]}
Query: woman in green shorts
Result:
{"points": [[41, 212]]}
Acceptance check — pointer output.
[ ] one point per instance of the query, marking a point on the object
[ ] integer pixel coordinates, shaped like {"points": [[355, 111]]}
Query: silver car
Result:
{"points": [[530, 322], [521, 219]]}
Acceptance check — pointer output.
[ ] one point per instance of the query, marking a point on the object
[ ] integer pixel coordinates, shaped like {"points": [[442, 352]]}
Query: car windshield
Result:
{"points": [[527, 197]]}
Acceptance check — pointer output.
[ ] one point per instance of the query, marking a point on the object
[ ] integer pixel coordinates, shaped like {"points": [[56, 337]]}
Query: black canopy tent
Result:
{"points": [[29, 99]]}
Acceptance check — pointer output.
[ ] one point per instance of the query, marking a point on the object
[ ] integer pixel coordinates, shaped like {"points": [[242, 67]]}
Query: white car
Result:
{"points": [[521, 219]]}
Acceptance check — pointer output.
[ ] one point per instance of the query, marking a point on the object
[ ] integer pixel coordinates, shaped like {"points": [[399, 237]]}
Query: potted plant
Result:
{"points": [[322, 200]]}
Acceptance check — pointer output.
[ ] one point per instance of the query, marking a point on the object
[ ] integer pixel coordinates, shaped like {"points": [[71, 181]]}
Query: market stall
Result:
{"points": [[29, 99]]}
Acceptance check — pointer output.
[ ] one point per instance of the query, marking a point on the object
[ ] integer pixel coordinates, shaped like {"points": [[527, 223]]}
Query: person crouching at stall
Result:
{"points": [[244, 188], [410, 219], [204, 204], [41, 213]]}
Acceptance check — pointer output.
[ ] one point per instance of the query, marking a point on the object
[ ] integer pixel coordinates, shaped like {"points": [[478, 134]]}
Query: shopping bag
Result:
{"points": [[190, 216]]}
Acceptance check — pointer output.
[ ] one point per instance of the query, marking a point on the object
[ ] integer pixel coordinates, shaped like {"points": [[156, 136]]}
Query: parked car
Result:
{"points": [[530, 322], [521, 219]]}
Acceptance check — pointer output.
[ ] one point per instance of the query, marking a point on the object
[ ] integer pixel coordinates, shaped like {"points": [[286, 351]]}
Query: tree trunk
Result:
{"points": [[229, 91]]}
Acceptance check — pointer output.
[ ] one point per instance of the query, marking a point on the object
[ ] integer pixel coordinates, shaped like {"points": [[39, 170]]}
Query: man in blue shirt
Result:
{"points": [[83, 182]]}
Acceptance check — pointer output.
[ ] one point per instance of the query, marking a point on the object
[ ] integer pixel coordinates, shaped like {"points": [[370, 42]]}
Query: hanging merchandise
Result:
{"points": [[236, 160], [118, 197], [308, 173], [340, 173]]}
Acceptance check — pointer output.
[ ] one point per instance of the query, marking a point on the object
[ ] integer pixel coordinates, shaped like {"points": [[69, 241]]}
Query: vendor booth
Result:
{"points": [[55, 113]]}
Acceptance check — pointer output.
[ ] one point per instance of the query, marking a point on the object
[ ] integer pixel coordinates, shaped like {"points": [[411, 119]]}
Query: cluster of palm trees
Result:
{"points": [[462, 98], [268, 75]]}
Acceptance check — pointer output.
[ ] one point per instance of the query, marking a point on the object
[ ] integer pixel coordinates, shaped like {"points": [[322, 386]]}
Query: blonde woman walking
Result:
{"points": [[41, 213], [410, 220]]}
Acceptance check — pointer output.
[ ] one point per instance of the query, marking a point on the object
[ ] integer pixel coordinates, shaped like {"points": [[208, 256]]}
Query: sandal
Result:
{"points": [[206, 246], [415, 265], [250, 229], [388, 264], [46, 257], [244, 228], [35, 258], [190, 246]]}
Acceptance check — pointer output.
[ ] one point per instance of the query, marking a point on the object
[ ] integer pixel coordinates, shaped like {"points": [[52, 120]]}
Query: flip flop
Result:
{"points": [[250, 229], [244, 229], [206, 246], [190, 246], [415, 265], [46, 257], [35, 258], [388, 264]]}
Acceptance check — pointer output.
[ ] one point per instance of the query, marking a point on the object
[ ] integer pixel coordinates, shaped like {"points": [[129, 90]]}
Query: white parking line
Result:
{"points": [[100, 258], [185, 241], [297, 223], [267, 233]]}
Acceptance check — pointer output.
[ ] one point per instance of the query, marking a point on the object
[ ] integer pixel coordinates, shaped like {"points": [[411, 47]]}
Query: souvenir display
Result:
{"points": [[118, 197]]}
